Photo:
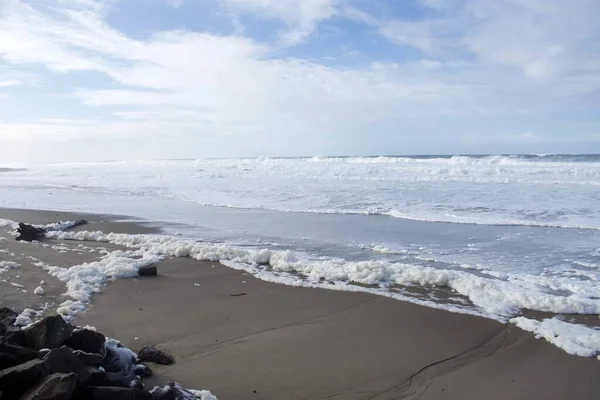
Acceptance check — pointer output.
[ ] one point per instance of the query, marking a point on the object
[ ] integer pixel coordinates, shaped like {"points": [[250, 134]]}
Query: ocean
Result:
{"points": [[500, 236]]}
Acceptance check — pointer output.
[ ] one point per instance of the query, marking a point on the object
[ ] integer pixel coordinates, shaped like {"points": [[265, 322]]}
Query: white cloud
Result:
{"points": [[301, 16], [479, 57], [231, 82]]}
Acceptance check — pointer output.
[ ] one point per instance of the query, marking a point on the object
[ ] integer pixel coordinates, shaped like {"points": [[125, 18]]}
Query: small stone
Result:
{"points": [[53, 387], [153, 355], [11, 355], [148, 270], [50, 332], [16, 380], [63, 360], [87, 341], [114, 393]]}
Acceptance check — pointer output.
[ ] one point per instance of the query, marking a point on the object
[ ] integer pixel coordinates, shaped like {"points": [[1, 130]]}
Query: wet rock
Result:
{"points": [[42, 353], [98, 377], [143, 370], [172, 391], [86, 340], [16, 380], [62, 360], [50, 332], [148, 270], [120, 364], [89, 359], [29, 233], [53, 387], [11, 355], [114, 393], [7, 318], [8, 332], [153, 355], [13, 335]]}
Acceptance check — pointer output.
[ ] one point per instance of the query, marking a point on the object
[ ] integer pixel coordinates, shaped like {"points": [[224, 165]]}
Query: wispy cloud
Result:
{"points": [[456, 59]]}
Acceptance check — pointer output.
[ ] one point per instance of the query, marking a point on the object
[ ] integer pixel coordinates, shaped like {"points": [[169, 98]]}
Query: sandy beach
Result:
{"points": [[243, 338]]}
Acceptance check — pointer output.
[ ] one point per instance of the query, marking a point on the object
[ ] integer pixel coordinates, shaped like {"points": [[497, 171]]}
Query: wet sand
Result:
{"points": [[243, 338]]}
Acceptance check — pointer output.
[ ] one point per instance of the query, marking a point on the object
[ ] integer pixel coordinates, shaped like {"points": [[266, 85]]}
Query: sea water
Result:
{"points": [[487, 235]]}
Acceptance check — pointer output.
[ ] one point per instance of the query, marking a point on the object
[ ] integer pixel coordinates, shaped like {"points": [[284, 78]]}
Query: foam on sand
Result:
{"points": [[573, 338], [497, 297], [7, 265], [84, 280]]}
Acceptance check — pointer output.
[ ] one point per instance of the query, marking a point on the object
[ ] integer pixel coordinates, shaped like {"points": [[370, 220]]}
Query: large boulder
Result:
{"points": [[153, 355], [13, 335], [8, 332], [11, 355], [86, 340], [53, 387], [98, 377], [49, 333], [114, 393], [89, 359], [7, 318], [62, 360], [16, 380]]}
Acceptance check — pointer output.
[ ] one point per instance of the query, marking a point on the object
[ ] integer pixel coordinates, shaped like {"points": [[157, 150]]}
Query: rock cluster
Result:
{"points": [[53, 360]]}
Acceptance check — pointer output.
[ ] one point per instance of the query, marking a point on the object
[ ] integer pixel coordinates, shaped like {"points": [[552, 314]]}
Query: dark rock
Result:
{"points": [[148, 270], [8, 332], [49, 333], [29, 233], [120, 369], [143, 370], [98, 377], [153, 355], [136, 383], [86, 340], [89, 359], [42, 353], [16, 380], [14, 355], [13, 335], [7, 317], [63, 360], [171, 391], [53, 387], [114, 393]]}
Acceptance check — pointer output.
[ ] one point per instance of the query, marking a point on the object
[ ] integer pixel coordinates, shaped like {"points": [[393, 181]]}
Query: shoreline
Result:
{"points": [[293, 342]]}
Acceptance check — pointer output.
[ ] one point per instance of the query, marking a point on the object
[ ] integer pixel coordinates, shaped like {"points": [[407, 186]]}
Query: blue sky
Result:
{"points": [[130, 79]]}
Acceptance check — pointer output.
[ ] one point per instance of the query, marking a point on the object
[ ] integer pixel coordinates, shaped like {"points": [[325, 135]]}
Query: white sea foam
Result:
{"points": [[7, 265], [501, 190], [493, 297], [573, 338], [84, 280]]}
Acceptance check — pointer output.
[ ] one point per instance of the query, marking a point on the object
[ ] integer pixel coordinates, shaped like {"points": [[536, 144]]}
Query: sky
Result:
{"points": [[140, 79]]}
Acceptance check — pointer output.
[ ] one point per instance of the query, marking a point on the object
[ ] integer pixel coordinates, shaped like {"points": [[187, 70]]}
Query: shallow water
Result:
{"points": [[514, 231]]}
